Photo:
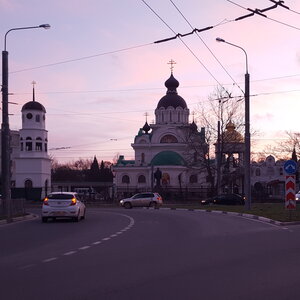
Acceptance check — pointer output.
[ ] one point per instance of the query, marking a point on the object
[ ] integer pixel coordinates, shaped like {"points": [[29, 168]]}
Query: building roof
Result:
{"points": [[167, 158], [33, 105]]}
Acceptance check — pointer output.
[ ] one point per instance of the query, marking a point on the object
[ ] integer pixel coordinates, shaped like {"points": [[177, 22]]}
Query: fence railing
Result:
{"points": [[17, 207]]}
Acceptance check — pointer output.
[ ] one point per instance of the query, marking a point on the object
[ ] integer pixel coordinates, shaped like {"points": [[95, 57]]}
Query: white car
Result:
{"points": [[143, 199], [63, 205], [297, 196]]}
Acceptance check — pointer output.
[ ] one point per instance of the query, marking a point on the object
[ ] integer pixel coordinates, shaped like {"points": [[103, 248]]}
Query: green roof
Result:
{"points": [[167, 158]]}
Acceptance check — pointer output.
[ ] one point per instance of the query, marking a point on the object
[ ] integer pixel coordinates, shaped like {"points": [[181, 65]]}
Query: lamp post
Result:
{"points": [[5, 132], [247, 178]]}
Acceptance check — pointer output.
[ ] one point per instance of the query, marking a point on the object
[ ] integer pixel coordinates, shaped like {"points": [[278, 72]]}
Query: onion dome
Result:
{"points": [[146, 127], [33, 105], [231, 135], [193, 126], [171, 98]]}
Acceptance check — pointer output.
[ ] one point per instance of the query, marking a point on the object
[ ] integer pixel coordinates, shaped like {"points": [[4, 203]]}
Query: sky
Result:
{"points": [[98, 70]]}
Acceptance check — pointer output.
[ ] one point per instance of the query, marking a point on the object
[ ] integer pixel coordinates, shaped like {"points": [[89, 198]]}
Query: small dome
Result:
{"points": [[231, 135], [171, 98], [146, 127], [193, 126], [33, 105]]}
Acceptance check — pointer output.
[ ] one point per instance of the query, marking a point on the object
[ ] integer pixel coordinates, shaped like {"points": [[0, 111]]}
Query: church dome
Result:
{"points": [[33, 105], [171, 98], [167, 158], [231, 135]]}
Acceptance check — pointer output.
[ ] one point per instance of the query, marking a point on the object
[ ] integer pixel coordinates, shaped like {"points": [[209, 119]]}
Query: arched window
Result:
{"points": [[257, 172], [28, 144], [170, 116], [22, 145], [141, 179], [38, 144], [142, 158], [168, 138], [28, 184], [126, 179], [46, 147], [37, 118], [178, 116], [193, 178]]}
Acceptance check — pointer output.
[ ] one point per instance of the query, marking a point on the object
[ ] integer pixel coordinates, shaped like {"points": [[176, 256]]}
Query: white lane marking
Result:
{"points": [[26, 267], [70, 253], [84, 247], [113, 235], [106, 239], [49, 259], [97, 243]]}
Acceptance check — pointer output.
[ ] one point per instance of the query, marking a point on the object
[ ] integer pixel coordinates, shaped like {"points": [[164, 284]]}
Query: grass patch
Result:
{"points": [[274, 211]]}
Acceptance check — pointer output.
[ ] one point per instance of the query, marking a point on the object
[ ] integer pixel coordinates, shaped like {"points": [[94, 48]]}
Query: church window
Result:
{"points": [[142, 158], [170, 116], [168, 138], [178, 116], [37, 118], [193, 178], [257, 172], [44, 117], [126, 179], [28, 144], [46, 145], [38, 144], [29, 116], [162, 117], [141, 179], [28, 184]]}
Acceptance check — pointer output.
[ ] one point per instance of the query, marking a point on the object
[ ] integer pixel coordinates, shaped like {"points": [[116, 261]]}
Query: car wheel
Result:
{"points": [[153, 204], [77, 219], [44, 219], [127, 205]]}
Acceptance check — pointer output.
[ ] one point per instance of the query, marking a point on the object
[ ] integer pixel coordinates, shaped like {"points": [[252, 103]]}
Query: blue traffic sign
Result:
{"points": [[290, 167]]}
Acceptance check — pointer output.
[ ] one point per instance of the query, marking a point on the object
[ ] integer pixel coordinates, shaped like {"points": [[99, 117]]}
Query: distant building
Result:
{"points": [[167, 153], [31, 165]]}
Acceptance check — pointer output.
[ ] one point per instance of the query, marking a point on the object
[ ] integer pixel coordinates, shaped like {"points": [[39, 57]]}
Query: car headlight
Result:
{"points": [[121, 202]]}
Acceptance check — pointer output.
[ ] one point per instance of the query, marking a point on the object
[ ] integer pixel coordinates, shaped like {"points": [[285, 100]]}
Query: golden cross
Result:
{"points": [[172, 63]]}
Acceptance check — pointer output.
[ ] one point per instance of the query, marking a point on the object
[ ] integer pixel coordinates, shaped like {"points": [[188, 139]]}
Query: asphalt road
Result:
{"points": [[149, 254]]}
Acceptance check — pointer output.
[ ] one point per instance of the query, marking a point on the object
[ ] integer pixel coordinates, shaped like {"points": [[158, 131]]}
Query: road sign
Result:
{"points": [[290, 201], [290, 167]]}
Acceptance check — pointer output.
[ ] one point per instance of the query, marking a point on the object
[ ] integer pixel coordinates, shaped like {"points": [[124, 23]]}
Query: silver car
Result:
{"points": [[63, 205], [142, 199]]}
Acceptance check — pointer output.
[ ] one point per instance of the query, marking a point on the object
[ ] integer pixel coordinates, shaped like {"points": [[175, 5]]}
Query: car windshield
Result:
{"points": [[60, 196]]}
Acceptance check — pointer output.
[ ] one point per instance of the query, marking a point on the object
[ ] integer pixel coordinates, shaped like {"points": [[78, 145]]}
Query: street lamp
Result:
{"points": [[247, 180], [5, 132]]}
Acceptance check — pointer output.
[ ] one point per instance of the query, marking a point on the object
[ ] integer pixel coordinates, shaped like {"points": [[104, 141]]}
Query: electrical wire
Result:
{"points": [[82, 58], [191, 51], [211, 52], [258, 12]]}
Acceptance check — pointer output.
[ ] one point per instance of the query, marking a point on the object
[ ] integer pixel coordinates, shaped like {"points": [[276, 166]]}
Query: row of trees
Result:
{"points": [[82, 170]]}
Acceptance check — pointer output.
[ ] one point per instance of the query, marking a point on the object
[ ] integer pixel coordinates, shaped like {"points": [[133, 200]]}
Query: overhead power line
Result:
{"points": [[212, 53], [191, 51], [82, 58], [259, 12]]}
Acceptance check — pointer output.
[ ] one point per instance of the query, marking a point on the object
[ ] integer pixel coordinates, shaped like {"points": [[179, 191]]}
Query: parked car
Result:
{"points": [[297, 196], [63, 205], [142, 199], [225, 199]]}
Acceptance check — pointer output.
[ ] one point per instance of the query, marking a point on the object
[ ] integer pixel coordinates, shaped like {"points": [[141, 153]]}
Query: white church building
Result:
{"points": [[166, 158], [31, 164]]}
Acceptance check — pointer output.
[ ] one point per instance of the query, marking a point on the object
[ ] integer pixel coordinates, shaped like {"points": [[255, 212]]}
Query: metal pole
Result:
{"points": [[247, 143], [5, 140], [219, 157]]}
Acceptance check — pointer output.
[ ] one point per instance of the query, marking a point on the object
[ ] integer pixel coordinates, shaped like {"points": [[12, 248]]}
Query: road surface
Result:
{"points": [[149, 254]]}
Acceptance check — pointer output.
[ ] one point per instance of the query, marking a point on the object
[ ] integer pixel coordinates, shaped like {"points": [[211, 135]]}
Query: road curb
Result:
{"points": [[231, 213], [19, 219]]}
